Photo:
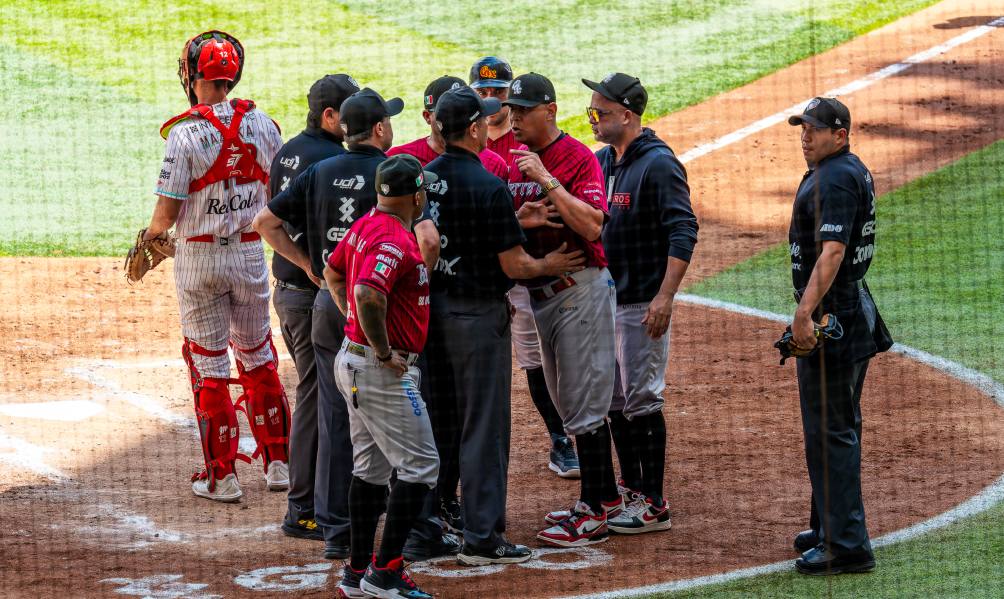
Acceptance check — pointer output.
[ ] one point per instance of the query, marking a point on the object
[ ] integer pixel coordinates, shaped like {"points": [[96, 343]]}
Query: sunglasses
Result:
{"points": [[595, 114]]}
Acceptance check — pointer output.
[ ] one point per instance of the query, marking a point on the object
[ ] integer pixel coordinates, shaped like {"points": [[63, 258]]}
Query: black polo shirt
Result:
{"points": [[295, 156], [472, 209], [328, 197], [835, 202]]}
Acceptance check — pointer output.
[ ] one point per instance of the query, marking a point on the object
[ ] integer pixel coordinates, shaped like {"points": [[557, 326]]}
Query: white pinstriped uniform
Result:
{"points": [[222, 286]]}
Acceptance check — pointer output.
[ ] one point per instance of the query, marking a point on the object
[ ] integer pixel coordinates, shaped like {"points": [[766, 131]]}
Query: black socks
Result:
{"points": [[405, 503], [366, 503], [625, 442], [597, 468], [542, 400], [651, 434]]}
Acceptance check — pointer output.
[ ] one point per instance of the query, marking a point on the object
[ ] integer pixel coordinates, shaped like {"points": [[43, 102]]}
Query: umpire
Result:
{"points": [[649, 241], [832, 238], [295, 292], [470, 348], [324, 201]]}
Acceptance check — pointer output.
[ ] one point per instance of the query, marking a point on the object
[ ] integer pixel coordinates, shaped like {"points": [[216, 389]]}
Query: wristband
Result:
{"points": [[390, 355]]}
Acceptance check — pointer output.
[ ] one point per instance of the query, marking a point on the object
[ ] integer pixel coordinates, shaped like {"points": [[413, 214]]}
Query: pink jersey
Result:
{"points": [[576, 167], [379, 253], [420, 149], [502, 145]]}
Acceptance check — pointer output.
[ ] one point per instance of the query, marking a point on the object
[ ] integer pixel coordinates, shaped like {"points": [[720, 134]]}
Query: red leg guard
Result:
{"points": [[264, 402], [217, 420]]}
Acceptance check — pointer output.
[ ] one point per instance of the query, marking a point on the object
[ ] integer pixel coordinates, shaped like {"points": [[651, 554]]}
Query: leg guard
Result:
{"points": [[216, 416], [265, 405]]}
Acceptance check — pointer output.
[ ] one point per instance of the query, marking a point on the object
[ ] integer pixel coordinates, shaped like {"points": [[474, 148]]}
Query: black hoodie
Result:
{"points": [[650, 216]]}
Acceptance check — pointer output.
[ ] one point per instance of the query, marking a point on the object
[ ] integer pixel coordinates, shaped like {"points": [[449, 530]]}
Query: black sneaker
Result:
{"points": [[503, 552], [336, 549], [304, 528], [452, 515], [419, 550], [348, 586], [391, 581], [564, 462]]}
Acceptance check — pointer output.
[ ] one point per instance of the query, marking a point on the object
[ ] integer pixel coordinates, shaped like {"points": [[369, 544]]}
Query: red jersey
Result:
{"points": [[379, 253], [502, 145], [576, 167], [420, 149]]}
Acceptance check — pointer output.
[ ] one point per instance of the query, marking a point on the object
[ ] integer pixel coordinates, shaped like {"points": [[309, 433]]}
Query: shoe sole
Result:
{"points": [[296, 533], [477, 560], [372, 591], [851, 569], [570, 473], [349, 593], [279, 486], [333, 556], [655, 527], [220, 498], [577, 543]]}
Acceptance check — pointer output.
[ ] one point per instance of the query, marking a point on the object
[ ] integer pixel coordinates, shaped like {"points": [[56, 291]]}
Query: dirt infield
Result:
{"points": [[94, 494]]}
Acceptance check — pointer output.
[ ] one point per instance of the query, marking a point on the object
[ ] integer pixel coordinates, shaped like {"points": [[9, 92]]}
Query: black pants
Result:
{"points": [[334, 447], [295, 308], [470, 364], [830, 397]]}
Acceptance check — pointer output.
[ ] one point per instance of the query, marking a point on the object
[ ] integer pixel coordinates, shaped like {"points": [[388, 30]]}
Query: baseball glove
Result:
{"points": [[828, 327], [145, 255]]}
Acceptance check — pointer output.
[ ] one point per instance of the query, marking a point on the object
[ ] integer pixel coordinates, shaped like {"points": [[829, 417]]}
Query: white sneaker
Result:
{"points": [[583, 528], [277, 476], [227, 489], [641, 516], [611, 509]]}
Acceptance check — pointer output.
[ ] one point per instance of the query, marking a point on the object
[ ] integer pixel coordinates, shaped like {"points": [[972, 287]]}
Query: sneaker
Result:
{"points": [[304, 528], [391, 582], [503, 552], [612, 509], [564, 462], [336, 548], [348, 586], [452, 515], [641, 516], [419, 550], [277, 476], [227, 489], [583, 527]]}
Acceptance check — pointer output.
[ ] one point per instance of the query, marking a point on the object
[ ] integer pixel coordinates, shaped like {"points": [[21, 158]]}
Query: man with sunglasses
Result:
{"points": [[649, 241], [557, 186], [832, 237], [490, 77]]}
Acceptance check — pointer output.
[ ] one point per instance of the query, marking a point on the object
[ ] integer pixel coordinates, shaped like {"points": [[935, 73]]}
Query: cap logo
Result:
{"points": [[384, 188], [837, 121], [627, 102], [429, 100], [456, 85], [345, 128], [419, 180], [608, 77], [547, 98], [487, 73], [517, 87], [812, 104]]}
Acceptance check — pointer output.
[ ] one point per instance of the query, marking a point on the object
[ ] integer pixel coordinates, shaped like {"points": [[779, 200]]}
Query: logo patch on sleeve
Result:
{"points": [[381, 269]]}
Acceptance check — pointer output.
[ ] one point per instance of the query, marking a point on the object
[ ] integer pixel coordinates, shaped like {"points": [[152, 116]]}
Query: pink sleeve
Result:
{"points": [[380, 266], [588, 183], [337, 259]]}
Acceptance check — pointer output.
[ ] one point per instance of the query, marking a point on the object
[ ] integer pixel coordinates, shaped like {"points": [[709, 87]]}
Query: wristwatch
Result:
{"points": [[551, 185]]}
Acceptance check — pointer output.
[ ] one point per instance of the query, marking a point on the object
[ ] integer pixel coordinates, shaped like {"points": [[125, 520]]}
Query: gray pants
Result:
{"points": [[640, 377], [576, 329], [295, 309], [389, 422], [334, 447], [474, 340]]}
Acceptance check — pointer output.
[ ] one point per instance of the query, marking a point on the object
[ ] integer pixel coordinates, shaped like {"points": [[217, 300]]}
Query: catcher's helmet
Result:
{"points": [[213, 55]]}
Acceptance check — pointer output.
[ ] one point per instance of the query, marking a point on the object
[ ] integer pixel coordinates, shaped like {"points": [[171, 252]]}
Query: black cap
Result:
{"points": [[530, 90], [458, 108], [824, 112], [330, 91], [623, 89], [402, 175], [438, 88], [366, 108], [490, 71]]}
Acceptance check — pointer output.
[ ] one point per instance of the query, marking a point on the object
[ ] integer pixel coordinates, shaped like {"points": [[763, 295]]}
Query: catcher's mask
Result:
{"points": [[213, 55]]}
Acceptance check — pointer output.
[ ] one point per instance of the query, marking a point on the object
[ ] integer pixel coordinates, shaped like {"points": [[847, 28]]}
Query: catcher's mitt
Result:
{"points": [[145, 255], [828, 327]]}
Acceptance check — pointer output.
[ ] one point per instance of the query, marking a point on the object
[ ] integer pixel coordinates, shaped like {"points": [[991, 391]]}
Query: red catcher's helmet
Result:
{"points": [[213, 55]]}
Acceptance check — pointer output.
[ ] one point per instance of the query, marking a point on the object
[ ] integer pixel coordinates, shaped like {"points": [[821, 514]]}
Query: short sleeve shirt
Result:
{"points": [[503, 144], [421, 150], [193, 145], [379, 253]]}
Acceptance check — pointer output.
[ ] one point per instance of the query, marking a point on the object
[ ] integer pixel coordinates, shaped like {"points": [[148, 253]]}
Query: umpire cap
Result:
{"points": [[458, 108], [366, 108], [490, 71], [824, 113], [330, 91]]}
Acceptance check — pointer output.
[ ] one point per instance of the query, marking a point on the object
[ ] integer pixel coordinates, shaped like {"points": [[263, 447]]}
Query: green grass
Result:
{"points": [[960, 561], [938, 273], [86, 84]]}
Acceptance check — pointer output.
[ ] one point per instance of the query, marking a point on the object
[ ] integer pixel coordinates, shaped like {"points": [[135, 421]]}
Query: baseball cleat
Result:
{"points": [[391, 582], [348, 586], [563, 460], [583, 527], [226, 490], [641, 516], [612, 509], [820, 562], [277, 476], [503, 552]]}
